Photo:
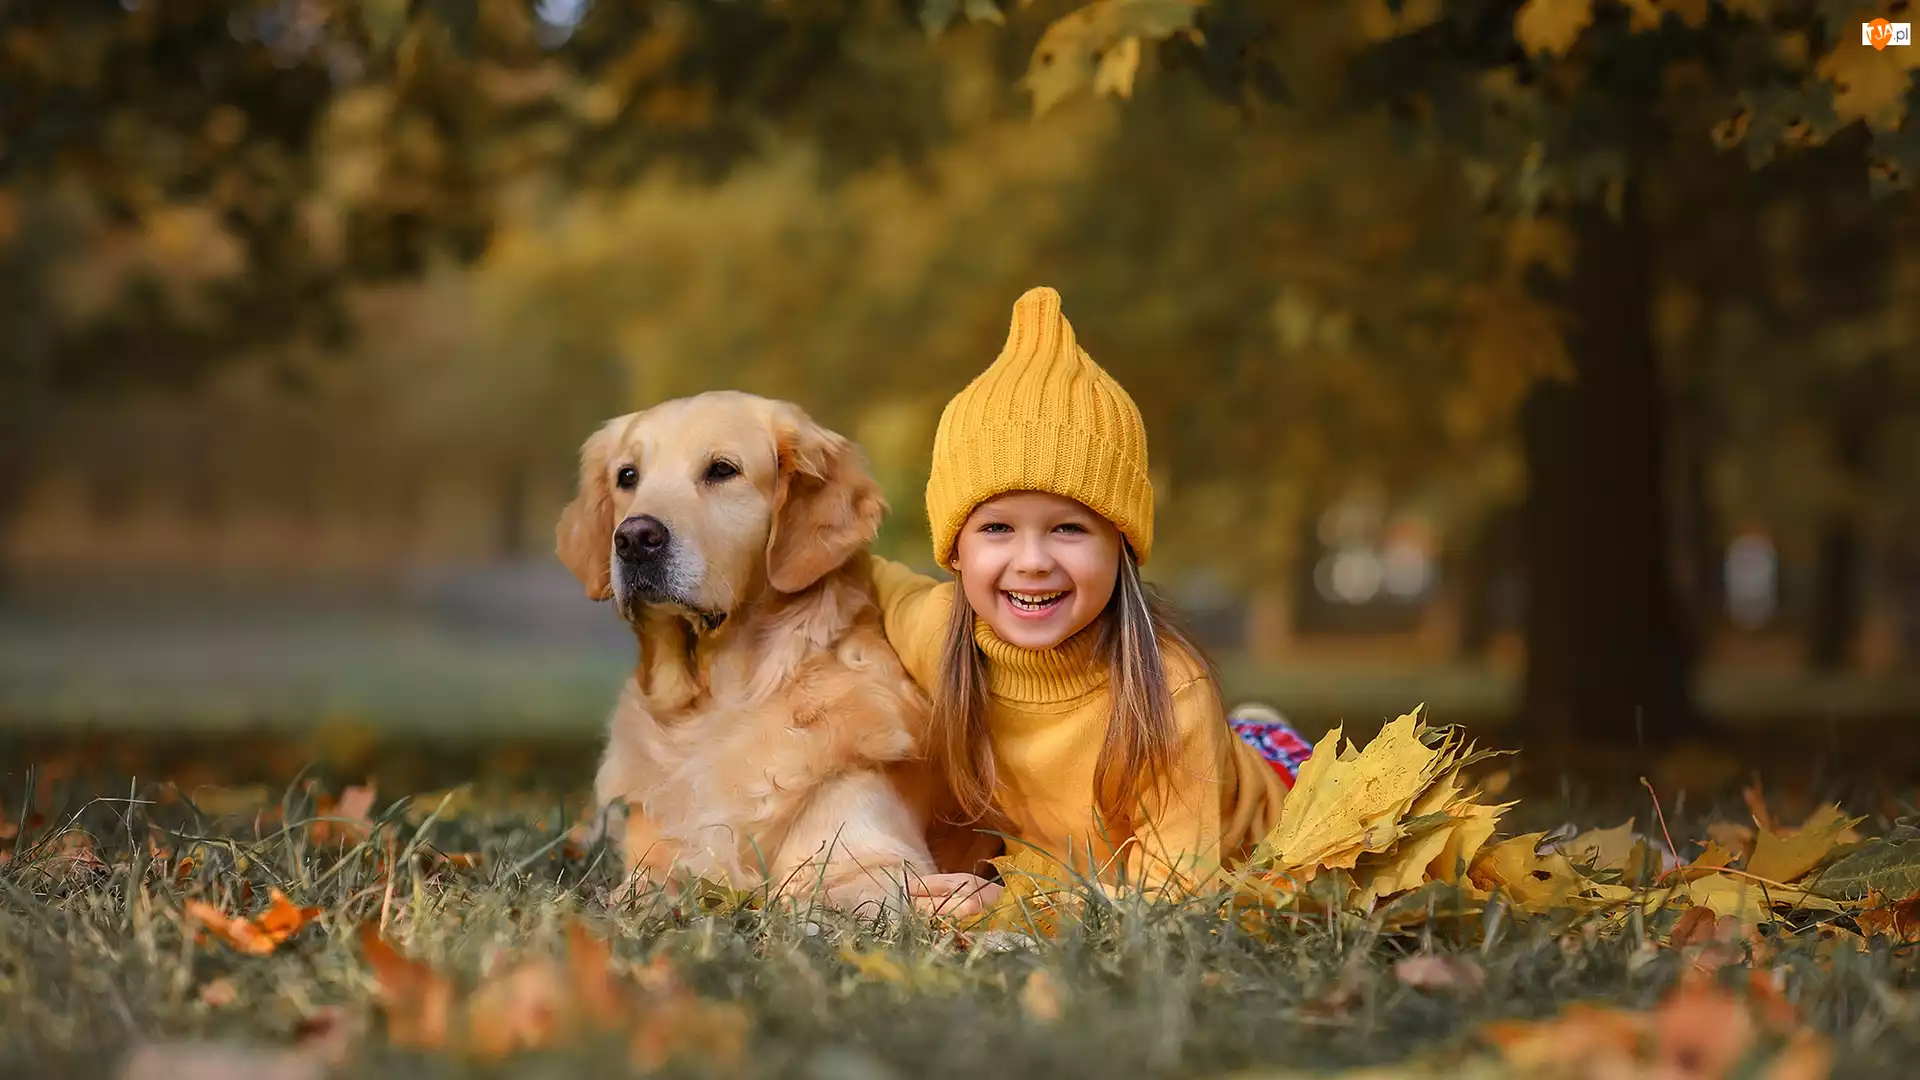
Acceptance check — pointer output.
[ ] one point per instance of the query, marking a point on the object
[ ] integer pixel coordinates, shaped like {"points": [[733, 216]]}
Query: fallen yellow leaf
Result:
{"points": [[1603, 849], [1786, 856]]}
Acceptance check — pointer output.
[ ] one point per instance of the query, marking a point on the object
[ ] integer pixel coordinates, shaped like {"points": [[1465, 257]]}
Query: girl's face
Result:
{"points": [[1038, 567]]}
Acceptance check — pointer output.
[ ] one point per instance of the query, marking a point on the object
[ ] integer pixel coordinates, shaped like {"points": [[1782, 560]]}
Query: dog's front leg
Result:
{"points": [[856, 843], [650, 857]]}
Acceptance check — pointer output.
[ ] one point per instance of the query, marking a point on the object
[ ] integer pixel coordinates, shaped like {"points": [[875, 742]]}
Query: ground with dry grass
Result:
{"points": [[169, 933]]}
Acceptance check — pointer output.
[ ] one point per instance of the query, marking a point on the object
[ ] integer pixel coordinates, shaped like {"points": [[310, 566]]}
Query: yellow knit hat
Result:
{"points": [[1042, 417]]}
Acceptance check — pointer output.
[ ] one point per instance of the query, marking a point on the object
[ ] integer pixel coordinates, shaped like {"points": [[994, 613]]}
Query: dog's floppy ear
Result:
{"points": [[584, 537], [826, 506]]}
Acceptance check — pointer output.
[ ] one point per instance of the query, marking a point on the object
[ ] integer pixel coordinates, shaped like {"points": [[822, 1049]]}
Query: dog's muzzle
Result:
{"points": [[643, 546]]}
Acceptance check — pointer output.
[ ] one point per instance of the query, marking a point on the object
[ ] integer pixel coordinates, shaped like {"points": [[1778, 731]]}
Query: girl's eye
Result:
{"points": [[720, 471], [996, 527], [627, 477], [1071, 527]]}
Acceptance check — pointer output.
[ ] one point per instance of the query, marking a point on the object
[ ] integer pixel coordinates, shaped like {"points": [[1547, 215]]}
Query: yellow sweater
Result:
{"points": [[1047, 720]]}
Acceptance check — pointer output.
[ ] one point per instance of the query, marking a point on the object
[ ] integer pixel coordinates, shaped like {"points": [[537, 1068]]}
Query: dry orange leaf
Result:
{"points": [[219, 993], [354, 808], [417, 1002], [540, 1003], [1701, 1031], [1601, 1037], [1694, 927], [590, 966], [1449, 974], [519, 1010], [1765, 996], [257, 936], [1900, 921]]}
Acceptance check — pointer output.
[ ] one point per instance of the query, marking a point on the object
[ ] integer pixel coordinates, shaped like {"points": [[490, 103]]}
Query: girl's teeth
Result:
{"points": [[1034, 601]]}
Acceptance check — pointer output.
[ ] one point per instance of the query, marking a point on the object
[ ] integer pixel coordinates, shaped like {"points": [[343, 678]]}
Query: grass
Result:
{"points": [[98, 959]]}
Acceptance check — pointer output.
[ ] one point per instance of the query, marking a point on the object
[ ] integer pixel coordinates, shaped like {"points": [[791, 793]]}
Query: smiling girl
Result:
{"points": [[1070, 710]]}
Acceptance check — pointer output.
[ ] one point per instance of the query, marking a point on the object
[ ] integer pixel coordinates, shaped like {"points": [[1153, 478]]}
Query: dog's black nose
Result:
{"points": [[640, 537]]}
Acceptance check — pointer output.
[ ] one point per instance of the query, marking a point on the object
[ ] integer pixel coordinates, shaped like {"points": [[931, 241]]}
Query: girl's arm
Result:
{"points": [[913, 609], [1178, 840]]}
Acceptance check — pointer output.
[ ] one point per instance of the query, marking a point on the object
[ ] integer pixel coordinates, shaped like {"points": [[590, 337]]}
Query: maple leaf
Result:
{"points": [[1392, 816], [1068, 58], [1345, 802], [1749, 900], [1037, 891], [1603, 849], [257, 936], [1869, 84], [1552, 26], [1787, 855]]}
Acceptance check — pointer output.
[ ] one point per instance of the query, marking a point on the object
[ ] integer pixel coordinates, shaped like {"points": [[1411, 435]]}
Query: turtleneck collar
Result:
{"points": [[1065, 672]]}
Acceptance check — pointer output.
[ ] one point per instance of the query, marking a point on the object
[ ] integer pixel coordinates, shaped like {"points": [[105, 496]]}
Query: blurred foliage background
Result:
{"points": [[1551, 360]]}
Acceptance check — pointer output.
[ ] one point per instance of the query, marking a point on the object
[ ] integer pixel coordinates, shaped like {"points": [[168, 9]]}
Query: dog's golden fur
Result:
{"points": [[769, 732]]}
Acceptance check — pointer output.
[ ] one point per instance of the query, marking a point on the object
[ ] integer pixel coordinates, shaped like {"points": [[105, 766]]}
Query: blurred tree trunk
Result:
{"points": [[1836, 599], [1607, 657], [1492, 549], [1849, 262], [1837, 609], [25, 402]]}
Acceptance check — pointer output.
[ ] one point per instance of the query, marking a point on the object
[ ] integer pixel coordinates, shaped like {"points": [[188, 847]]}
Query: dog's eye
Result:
{"points": [[721, 470], [627, 477]]}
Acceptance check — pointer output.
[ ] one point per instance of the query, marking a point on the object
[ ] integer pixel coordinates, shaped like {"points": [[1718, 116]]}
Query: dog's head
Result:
{"points": [[702, 502]]}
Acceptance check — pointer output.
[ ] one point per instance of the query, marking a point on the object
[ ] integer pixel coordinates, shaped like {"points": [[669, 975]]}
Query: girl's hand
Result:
{"points": [[953, 895]]}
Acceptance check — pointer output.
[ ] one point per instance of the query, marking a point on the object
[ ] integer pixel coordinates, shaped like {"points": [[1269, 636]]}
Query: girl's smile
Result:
{"points": [[1039, 568], [1035, 605]]}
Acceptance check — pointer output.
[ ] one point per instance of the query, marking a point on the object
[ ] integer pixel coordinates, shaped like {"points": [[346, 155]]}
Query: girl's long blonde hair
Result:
{"points": [[1136, 632]]}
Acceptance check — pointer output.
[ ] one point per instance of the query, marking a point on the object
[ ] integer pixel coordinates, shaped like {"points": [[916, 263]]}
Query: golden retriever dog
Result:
{"points": [[768, 732]]}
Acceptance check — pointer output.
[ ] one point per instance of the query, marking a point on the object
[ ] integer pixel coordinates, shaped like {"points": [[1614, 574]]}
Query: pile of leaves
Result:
{"points": [[1389, 831], [1396, 834]]}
